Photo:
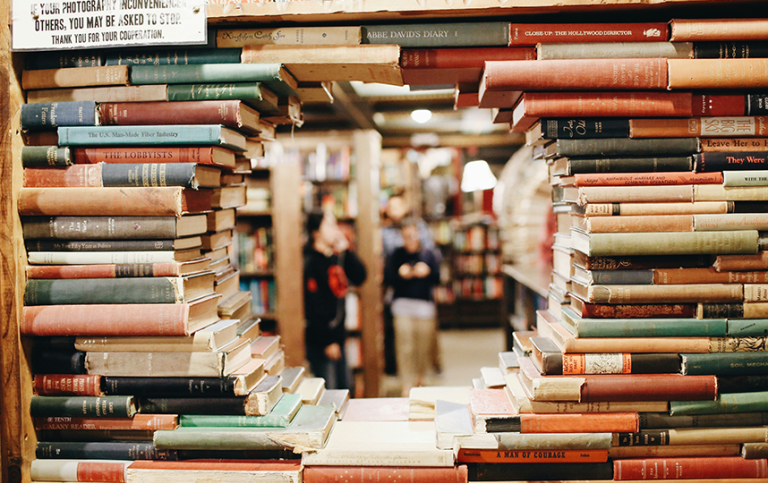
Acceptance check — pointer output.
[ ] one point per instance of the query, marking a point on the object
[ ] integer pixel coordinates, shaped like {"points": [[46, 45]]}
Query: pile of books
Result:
{"points": [[143, 345], [650, 361]]}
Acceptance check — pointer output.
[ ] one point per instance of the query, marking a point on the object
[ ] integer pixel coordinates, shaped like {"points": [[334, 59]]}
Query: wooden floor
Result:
{"points": [[463, 352]]}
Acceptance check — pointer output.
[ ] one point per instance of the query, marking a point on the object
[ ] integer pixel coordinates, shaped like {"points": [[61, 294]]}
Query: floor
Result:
{"points": [[462, 353]]}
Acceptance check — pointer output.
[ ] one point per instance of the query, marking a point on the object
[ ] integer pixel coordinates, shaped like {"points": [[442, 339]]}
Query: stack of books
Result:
{"points": [[143, 341], [651, 354]]}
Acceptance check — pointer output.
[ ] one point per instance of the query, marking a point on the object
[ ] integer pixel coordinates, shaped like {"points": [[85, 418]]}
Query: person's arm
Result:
{"points": [[430, 259], [354, 268]]}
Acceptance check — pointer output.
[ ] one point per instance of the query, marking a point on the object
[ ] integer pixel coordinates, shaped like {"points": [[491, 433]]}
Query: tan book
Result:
{"points": [[275, 364], [733, 145], [718, 29], [169, 364], [713, 192], [220, 220], [754, 292], [674, 451], [311, 389], [648, 209], [615, 50], [757, 261], [100, 94], [228, 285], [633, 224], [265, 346], [264, 396], [290, 35], [522, 401], [713, 436], [248, 377], [659, 294], [210, 339], [236, 307], [112, 75], [687, 74], [228, 197], [318, 63], [315, 92]]}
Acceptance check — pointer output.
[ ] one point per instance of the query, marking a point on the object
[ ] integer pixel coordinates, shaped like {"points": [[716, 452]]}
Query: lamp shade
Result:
{"points": [[477, 175]]}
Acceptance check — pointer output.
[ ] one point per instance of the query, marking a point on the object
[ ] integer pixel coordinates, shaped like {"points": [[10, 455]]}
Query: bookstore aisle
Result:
{"points": [[153, 185]]}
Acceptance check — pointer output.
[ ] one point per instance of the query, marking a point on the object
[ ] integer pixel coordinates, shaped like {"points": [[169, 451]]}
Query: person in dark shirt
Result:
{"points": [[413, 273], [329, 269]]}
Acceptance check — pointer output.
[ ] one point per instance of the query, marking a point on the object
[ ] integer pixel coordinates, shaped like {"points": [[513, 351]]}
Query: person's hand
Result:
{"points": [[405, 271], [333, 351], [341, 243], [421, 270]]}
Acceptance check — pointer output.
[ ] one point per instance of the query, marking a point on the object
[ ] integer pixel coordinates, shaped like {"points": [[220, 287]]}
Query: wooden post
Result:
{"points": [[289, 262], [367, 147], [17, 438]]}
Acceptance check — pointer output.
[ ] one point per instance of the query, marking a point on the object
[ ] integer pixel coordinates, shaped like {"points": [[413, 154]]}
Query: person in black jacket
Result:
{"points": [[413, 273], [329, 268]]}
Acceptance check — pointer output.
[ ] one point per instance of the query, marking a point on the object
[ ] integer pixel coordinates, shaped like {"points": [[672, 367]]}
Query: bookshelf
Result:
{"points": [[361, 150]]}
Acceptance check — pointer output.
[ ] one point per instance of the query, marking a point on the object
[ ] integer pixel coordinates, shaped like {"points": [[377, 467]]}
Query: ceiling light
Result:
{"points": [[421, 115], [477, 175]]}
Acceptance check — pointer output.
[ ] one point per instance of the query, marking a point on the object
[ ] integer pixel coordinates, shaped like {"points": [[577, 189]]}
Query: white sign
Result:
{"points": [[85, 24]]}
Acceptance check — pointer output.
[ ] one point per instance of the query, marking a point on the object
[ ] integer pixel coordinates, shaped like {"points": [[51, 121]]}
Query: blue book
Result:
{"points": [[662, 327], [181, 134], [47, 116]]}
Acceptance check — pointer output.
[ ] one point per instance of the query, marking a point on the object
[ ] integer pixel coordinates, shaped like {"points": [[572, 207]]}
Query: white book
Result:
{"points": [[454, 430], [422, 399], [68, 470], [381, 443], [98, 258], [311, 389], [492, 377]]}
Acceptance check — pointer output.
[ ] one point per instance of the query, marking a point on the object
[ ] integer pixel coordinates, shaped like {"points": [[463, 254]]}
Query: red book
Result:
{"points": [[689, 468], [533, 33], [709, 105], [461, 58], [101, 471], [575, 74], [231, 113], [139, 422], [535, 105], [587, 310], [646, 179], [537, 456], [195, 470], [201, 155], [169, 269], [375, 474], [67, 384], [619, 422]]}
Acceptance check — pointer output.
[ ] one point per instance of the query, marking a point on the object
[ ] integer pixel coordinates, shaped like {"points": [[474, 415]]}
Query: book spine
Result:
{"points": [[539, 472], [58, 362], [758, 261], [744, 402], [112, 319], [730, 161], [240, 37], [266, 421], [138, 155], [250, 93], [745, 178], [231, 406], [468, 34], [48, 116], [641, 387], [753, 451], [133, 450], [174, 57], [103, 271], [226, 112], [139, 135], [149, 174], [101, 407], [694, 127], [712, 192], [59, 60], [746, 328], [621, 277], [579, 423], [139, 422], [627, 147], [523, 456], [143, 290], [163, 201], [441, 58], [717, 73], [640, 224], [81, 77], [635, 194], [717, 29], [362, 474], [608, 363], [584, 128], [617, 452], [615, 50], [156, 364], [195, 74], [77, 176], [607, 104], [100, 227], [628, 294], [642, 262], [735, 420], [531, 34], [630, 165], [677, 276], [688, 468], [646, 179], [647, 209], [99, 94], [700, 243], [729, 50], [45, 156], [577, 74], [85, 471], [638, 311], [734, 145], [729, 364], [67, 384]]}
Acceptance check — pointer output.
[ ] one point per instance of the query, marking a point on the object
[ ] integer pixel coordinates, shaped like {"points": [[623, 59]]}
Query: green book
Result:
{"points": [[174, 57], [734, 402], [747, 327], [45, 156], [280, 417], [143, 290], [459, 34], [274, 76], [309, 428], [251, 93], [83, 406], [180, 134], [729, 363], [661, 327]]}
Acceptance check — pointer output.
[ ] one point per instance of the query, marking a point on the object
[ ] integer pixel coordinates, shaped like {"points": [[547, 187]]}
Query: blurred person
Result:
{"points": [[329, 268]]}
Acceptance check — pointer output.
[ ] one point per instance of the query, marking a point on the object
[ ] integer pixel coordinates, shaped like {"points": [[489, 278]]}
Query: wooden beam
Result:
{"points": [[347, 101], [462, 140]]}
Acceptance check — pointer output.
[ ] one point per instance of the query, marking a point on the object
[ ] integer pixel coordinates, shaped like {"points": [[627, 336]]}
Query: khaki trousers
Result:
{"points": [[414, 348]]}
